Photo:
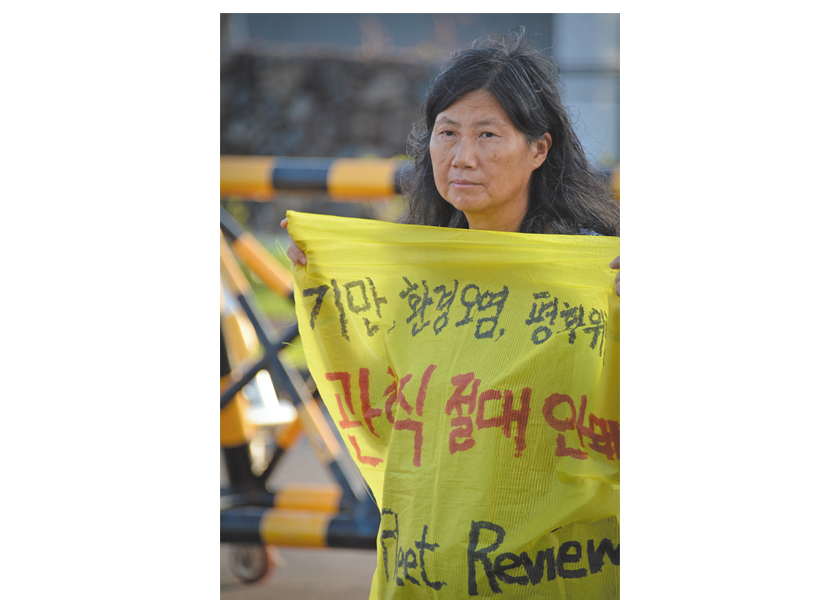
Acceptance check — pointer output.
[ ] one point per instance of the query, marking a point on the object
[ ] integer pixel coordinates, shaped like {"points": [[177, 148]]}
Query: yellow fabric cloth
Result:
{"points": [[474, 377]]}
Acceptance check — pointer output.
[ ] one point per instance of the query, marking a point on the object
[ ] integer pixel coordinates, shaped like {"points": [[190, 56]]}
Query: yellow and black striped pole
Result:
{"points": [[344, 179], [300, 528], [256, 257]]}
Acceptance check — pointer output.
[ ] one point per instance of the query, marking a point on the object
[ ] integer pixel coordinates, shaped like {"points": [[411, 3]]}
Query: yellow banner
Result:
{"points": [[474, 377]]}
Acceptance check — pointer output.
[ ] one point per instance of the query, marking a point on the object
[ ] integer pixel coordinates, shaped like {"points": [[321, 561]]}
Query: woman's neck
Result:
{"points": [[494, 222]]}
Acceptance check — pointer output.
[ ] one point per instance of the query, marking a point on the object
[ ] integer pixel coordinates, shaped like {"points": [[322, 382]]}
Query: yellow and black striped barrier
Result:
{"points": [[283, 376], [300, 528], [344, 179]]}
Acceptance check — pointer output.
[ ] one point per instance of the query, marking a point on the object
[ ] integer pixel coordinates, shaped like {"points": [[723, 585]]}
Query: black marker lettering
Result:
{"points": [[475, 555], [596, 557], [422, 545], [569, 552], [321, 291], [499, 568]]}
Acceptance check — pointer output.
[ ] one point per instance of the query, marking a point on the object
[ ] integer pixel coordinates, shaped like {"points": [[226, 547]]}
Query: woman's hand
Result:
{"points": [[616, 264], [294, 252]]}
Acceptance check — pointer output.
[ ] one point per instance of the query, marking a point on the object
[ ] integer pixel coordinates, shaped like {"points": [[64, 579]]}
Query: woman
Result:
{"points": [[496, 151]]}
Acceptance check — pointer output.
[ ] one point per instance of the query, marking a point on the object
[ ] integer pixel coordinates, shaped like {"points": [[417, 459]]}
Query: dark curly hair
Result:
{"points": [[566, 194]]}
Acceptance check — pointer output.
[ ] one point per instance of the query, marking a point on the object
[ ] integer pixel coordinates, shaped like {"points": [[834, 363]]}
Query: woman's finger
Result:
{"points": [[294, 252]]}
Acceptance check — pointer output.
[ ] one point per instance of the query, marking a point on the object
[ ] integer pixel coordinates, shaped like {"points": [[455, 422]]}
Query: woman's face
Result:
{"points": [[482, 163]]}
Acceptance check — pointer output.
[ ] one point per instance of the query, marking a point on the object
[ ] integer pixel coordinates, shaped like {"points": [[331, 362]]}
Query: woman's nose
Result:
{"points": [[465, 156]]}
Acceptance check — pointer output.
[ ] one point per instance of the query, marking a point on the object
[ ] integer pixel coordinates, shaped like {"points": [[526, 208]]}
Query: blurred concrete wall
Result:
{"points": [[300, 103]]}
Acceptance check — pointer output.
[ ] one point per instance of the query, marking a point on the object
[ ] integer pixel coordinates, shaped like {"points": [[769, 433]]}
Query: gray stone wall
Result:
{"points": [[296, 104]]}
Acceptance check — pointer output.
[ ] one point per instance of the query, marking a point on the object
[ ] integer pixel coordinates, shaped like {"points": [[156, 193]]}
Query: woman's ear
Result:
{"points": [[540, 148]]}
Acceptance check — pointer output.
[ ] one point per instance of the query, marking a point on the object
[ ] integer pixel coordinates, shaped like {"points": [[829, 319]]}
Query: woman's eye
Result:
{"points": [[488, 134]]}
